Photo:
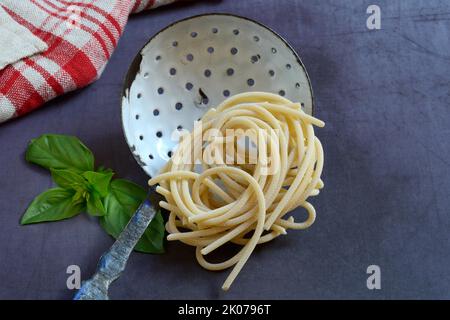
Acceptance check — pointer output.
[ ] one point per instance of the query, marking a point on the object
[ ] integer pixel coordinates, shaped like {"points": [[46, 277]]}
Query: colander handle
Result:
{"points": [[113, 262]]}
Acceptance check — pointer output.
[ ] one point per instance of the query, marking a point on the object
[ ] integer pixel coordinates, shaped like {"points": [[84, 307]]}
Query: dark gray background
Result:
{"points": [[385, 98]]}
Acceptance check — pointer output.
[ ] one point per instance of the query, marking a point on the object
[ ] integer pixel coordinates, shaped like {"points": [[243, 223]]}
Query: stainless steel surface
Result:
{"points": [[113, 262]]}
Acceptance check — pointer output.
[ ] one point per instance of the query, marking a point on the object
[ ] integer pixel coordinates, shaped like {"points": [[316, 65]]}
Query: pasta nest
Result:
{"points": [[254, 159]]}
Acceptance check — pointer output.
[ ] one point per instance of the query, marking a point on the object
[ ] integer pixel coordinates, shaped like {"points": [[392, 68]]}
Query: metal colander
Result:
{"points": [[186, 68], [195, 64]]}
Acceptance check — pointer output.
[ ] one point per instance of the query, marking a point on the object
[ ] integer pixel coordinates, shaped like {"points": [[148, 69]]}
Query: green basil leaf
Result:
{"points": [[52, 205], [60, 152], [80, 195], [129, 194], [153, 239], [94, 204], [102, 169], [99, 181], [120, 204], [68, 178]]}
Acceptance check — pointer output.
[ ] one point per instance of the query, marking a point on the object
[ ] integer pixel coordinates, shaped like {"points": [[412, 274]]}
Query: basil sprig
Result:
{"points": [[80, 188]]}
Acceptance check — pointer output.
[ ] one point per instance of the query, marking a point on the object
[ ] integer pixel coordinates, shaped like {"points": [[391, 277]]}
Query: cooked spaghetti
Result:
{"points": [[247, 181]]}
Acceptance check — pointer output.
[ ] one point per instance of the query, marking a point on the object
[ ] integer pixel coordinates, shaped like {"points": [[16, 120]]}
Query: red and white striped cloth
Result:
{"points": [[56, 46]]}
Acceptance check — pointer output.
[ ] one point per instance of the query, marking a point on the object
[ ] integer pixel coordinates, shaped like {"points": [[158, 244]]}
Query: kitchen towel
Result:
{"points": [[50, 47]]}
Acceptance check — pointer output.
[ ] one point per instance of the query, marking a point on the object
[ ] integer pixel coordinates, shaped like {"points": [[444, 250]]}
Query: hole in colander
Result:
{"points": [[297, 85], [141, 137], [159, 134], [137, 117], [172, 71], [169, 154], [236, 32], [139, 95], [175, 43], [281, 93], [288, 66], [189, 86], [255, 58], [194, 34], [210, 49], [160, 90], [204, 98], [178, 106], [146, 75], [214, 30], [180, 127], [150, 156], [207, 73], [189, 57], [234, 51], [230, 71], [271, 73], [256, 38], [156, 112], [158, 57], [302, 105], [226, 93], [274, 50], [250, 82]]}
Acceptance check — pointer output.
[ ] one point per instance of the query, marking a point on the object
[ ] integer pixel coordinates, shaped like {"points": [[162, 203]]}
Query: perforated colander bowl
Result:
{"points": [[186, 68], [195, 64]]}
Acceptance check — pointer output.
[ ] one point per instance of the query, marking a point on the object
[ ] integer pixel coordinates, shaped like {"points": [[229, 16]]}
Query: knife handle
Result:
{"points": [[113, 262]]}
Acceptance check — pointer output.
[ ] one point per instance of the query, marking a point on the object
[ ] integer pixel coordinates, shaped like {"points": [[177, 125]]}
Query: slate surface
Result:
{"points": [[385, 98]]}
